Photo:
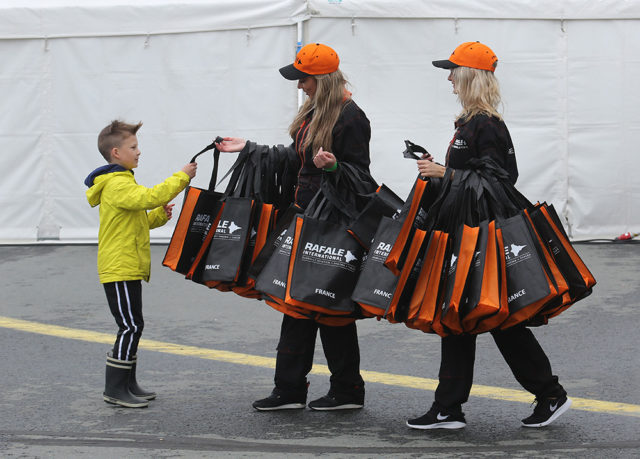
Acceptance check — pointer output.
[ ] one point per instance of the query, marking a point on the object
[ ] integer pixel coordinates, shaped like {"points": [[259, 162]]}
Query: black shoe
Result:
{"points": [[546, 411], [337, 402], [438, 418], [280, 401]]}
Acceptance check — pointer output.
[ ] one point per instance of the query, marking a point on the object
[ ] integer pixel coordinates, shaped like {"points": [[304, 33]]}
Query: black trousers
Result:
{"points": [[125, 303], [520, 349], [295, 356]]}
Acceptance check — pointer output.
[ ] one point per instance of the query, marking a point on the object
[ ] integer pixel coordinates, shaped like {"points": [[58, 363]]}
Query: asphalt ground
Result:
{"points": [[210, 354]]}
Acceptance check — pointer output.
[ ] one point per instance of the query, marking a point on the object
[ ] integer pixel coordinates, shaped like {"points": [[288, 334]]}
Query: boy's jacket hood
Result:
{"points": [[95, 189], [107, 168]]}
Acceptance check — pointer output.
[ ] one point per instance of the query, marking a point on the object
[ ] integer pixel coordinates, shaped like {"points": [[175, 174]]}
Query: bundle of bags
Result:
{"points": [[218, 235], [252, 240], [469, 254]]}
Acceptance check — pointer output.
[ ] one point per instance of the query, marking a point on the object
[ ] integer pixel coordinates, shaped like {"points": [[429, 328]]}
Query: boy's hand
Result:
{"points": [[231, 144], [168, 209], [190, 169]]}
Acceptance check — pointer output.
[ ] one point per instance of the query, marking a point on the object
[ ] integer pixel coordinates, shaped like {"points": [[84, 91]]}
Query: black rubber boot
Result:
{"points": [[116, 388], [134, 388]]}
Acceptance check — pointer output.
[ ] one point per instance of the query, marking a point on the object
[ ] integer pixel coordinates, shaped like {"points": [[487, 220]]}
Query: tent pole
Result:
{"points": [[298, 46]]}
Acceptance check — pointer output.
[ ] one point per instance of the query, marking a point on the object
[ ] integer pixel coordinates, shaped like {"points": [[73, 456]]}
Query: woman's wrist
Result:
{"points": [[332, 168]]}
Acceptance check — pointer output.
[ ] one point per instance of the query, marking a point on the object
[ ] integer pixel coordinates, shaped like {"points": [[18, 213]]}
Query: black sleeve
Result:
{"points": [[351, 137], [493, 140]]}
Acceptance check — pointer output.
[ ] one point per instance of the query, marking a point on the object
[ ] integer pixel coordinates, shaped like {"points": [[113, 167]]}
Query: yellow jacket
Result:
{"points": [[123, 240]]}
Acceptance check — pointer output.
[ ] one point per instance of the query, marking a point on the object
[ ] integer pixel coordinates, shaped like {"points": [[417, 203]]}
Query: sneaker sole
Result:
{"points": [[559, 412], [115, 401], [348, 406], [439, 425], [288, 406]]}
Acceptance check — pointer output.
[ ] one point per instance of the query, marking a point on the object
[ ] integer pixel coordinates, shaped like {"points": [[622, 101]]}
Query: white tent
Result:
{"points": [[191, 70]]}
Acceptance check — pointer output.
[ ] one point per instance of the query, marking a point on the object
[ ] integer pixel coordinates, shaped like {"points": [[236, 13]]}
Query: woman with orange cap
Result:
{"points": [[329, 128], [480, 131]]}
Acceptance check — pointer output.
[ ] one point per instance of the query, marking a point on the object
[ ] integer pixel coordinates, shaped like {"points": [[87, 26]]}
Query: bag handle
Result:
{"points": [[216, 160]]}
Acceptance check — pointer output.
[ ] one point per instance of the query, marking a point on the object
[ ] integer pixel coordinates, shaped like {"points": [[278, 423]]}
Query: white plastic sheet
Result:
{"points": [[196, 69]]}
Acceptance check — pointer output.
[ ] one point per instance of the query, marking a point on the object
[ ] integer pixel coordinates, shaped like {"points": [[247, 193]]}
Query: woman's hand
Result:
{"points": [[324, 159], [428, 168], [231, 144]]}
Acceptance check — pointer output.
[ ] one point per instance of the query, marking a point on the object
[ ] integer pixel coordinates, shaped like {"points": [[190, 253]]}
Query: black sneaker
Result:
{"points": [[280, 401], [546, 411], [337, 402], [438, 418]]}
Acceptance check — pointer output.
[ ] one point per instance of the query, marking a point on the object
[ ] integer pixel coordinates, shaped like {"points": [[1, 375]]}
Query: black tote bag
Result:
{"points": [[200, 209], [272, 278], [325, 264], [376, 283]]}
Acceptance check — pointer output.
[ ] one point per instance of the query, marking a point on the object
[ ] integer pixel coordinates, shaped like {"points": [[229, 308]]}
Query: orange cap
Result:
{"points": [[470, 54], [312, 59]]}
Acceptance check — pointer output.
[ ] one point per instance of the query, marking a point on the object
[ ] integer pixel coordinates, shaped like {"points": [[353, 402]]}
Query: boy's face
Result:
{"points": [[127, 153]]}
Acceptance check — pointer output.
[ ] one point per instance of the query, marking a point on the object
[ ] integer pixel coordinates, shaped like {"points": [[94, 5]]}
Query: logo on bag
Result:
{"points": [[233, 228], [452, 265], [515, 253], [327, 255], [381, 252], [327, 293], [476, 259], [349, 257], [285, 247], [516, 295], [227, 230], [379, 292], [515, 249], [211, 267], [201, 224], [280, 283]]}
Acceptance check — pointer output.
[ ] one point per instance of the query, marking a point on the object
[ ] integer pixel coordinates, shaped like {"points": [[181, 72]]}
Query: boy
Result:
{"points": [[124, 255]]}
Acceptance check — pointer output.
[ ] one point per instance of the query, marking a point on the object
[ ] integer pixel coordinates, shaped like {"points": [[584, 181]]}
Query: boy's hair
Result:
{"points": [[113, 135]]}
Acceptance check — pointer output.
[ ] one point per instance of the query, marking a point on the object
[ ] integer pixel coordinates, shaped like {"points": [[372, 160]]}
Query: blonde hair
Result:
{"points": [[113, 135], [478, 92], [327, 104]]}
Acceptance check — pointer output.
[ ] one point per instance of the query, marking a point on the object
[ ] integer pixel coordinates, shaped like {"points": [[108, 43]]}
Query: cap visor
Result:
{"points": [[445, 64], [292, 73]]}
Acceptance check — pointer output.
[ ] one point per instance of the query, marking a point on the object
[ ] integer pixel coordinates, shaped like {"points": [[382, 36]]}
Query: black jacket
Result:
{"points": [[482, 135], [351, 135]]}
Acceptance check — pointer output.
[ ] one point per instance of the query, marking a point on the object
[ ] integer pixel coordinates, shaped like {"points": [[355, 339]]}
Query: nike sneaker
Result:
{"points": [[279, 400], [332, 402], [438, 418], [546, 411]]}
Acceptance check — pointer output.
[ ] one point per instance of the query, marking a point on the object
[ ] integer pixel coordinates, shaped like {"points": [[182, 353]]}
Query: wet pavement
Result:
{"points": [[209, 354]]}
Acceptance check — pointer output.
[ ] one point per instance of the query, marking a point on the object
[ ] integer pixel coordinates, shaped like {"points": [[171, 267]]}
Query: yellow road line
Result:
{"points": [[412, 382]]}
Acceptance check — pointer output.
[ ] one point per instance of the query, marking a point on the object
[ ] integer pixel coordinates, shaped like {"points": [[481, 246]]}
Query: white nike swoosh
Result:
{"points": [[553, 407], [439, 417]]}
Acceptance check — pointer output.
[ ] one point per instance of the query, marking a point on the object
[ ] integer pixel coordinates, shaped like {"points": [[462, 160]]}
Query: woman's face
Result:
{"points": [[308, 85], [453, 82]]}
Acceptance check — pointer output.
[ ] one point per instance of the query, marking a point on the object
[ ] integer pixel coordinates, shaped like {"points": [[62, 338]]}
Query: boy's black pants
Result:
{"points": [[520, 349], [295, 356], [125, 302]]}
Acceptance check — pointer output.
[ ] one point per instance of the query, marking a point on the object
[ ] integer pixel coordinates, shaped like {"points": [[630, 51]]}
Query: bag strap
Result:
{"points": [[216, 160]]}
